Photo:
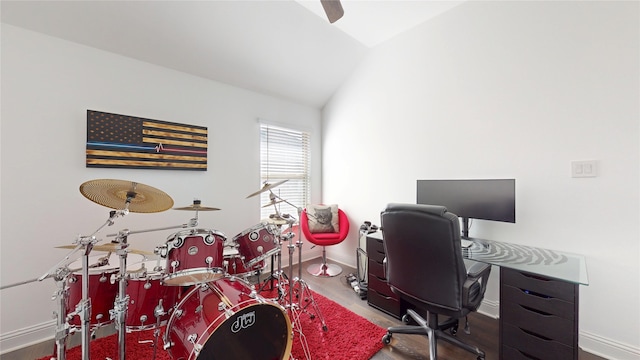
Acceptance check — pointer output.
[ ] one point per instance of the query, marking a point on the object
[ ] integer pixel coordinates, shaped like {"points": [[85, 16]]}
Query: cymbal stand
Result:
{"points": [[119, 311], [302, 289], [62, 326], [304, 292], [278, 275]]}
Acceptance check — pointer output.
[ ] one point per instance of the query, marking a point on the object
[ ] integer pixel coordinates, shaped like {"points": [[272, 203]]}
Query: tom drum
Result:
{"points": [[193, 256]]}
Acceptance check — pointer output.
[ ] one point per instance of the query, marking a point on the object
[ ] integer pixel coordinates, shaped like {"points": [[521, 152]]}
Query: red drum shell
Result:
{"points": [[145, 290], [197, 255], [226, 319], [257, 243], [234, 265], [102, 292]]}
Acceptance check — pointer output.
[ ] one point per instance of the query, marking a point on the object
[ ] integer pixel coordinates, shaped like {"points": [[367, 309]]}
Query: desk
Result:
{"points": [[538, 296]]}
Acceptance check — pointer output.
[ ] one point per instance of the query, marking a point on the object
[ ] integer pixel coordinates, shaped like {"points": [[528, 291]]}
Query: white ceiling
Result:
{"points": [[283, 48]]}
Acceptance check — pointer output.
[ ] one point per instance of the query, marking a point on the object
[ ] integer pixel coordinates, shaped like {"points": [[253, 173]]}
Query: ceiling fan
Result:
{"points": [[333, 9]]}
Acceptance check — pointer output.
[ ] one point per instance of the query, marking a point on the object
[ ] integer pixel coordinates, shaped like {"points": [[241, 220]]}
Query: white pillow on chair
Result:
{"points": [[323, 218]]}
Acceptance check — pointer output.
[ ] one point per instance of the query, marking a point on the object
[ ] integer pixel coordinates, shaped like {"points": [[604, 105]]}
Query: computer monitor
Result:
{"points": [[487, 199]]}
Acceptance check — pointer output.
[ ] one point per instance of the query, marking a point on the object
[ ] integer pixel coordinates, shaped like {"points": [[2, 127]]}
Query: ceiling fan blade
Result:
{"points": [[333, 9]]}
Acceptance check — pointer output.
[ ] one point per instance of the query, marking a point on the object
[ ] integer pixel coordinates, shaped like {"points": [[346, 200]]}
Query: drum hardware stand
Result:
{"points": [[119, 311]]}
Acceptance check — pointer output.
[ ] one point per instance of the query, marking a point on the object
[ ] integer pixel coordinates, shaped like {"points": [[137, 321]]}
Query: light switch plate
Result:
{"points": [[584, 168]]}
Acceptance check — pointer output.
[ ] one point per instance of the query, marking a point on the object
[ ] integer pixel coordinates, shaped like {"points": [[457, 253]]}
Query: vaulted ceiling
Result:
{"points": [[282, 48]]}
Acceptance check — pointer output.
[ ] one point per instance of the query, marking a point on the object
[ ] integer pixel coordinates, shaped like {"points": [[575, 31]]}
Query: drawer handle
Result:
{"points": [[529, 292], [536, 335], [535, 277], [536, 311], [527, 355]]}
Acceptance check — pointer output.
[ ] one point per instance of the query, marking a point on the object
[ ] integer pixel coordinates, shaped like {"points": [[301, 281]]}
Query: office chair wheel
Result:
{"points": [[406, 319], [453, 331], [386, 339]]}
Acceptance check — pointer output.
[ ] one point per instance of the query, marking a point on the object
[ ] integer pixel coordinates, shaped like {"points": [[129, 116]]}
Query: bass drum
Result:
{"points": [[227, 319]]}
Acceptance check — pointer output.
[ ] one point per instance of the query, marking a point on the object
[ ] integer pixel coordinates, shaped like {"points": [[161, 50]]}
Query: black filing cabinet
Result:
{"points": [[538, 317], [379, 295]]}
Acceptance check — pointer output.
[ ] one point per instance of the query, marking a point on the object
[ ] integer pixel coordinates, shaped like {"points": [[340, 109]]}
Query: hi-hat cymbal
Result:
{"points": [[115, 194], [108, 248], [272, 203], [196, 206], [267, 186]]}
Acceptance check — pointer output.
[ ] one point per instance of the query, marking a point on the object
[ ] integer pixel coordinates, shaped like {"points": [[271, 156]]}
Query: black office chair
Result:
{"points": [[425, 267]]}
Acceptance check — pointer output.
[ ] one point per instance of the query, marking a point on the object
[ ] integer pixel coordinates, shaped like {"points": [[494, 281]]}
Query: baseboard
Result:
{"points": [[27, 336], [490, 308], [607, 348]]}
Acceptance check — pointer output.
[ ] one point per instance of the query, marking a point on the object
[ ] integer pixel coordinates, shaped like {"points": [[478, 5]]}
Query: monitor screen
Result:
{"points": [[487, 199]]}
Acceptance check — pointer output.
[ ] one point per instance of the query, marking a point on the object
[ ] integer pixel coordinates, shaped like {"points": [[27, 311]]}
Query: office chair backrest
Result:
{"points": [[424, 255]]}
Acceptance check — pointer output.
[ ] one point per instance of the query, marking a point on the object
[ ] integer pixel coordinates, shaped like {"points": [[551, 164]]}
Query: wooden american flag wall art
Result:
{"points": [[122, 141]]}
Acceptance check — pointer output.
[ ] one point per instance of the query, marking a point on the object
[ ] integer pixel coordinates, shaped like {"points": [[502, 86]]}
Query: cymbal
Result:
{"points": [[279, 220], [108, 248], [196, 206], [272, 203], [276, 221], [115, 194], [267, 186]]}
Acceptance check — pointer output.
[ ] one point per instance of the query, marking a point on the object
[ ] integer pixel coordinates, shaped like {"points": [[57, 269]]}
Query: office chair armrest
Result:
{"points": [[476, 273], [474, 268]]}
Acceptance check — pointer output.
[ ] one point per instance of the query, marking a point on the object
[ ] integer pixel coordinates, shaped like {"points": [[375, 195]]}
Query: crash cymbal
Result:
{"points": [[272, 203], [115, 194], [267, 186], [196, 206], [108, 248]]}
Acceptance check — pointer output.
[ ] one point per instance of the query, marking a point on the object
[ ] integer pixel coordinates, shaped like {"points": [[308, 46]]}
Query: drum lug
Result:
{"points": [[196, 349], [192, 338], [209, 260]]}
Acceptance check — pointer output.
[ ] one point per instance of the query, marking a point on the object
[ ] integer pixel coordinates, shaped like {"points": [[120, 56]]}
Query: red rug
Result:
{"points": [[348, 337]]}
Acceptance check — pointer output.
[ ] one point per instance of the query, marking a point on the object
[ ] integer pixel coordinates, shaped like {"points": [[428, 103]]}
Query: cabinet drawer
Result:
{"points": [[509, 353], [535, 347], [540, 324], [387, 304], [375, 249], [543, 304], [540, 285], [381, 286], [376, 268]]}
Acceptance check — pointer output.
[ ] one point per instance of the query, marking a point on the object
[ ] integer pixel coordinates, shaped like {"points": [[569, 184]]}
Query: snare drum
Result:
{"points": [[227, 319], [233, 264], [148, 298], [257, 243], [193, 256], [102, 291]]}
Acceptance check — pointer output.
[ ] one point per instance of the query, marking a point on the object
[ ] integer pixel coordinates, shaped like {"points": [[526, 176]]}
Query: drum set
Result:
{"points": [[198, 285]]}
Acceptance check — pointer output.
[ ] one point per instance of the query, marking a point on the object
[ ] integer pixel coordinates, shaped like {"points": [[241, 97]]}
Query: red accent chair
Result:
{"points": [[325, 239]]}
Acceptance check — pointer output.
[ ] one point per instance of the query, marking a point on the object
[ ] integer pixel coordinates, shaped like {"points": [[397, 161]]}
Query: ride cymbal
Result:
{"points": [[117, 194], [267, 186], [108, 248], [196, 206]]}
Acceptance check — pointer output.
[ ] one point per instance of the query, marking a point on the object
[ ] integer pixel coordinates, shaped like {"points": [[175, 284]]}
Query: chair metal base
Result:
{"points": [[324, 270]]}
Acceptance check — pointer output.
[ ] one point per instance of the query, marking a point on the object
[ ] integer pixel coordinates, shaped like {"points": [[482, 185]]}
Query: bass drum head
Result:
{"points": [[256, 332]]}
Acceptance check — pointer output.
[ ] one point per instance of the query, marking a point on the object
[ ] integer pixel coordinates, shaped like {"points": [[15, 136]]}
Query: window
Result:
{"points": [[284, 156]]}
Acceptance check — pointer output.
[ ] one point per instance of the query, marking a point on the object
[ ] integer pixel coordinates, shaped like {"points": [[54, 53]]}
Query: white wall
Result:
{"points": [[509, 90], [47, 87]]}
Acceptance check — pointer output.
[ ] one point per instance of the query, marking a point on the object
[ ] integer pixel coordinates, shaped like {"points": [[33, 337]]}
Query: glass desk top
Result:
{"points": [[550, 263]]}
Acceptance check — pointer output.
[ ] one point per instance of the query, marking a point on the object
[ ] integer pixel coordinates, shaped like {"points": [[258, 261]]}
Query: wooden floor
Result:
{"points": [[484, 330]]}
